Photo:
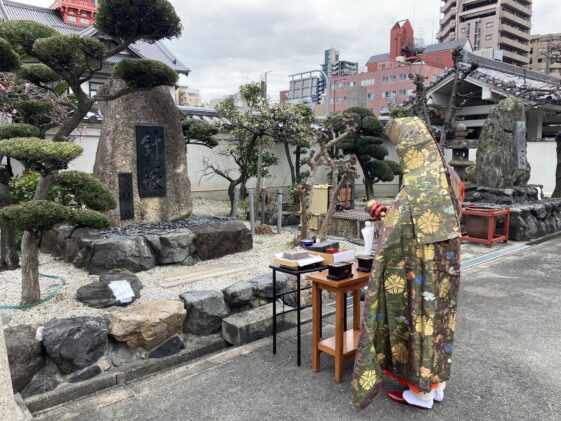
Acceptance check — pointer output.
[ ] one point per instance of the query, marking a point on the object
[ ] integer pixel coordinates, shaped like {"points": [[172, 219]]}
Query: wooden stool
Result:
{"points": [[344, 344], [481, 224]]}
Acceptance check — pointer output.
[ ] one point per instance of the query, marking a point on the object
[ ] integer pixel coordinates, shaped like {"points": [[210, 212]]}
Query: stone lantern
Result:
{"points": [[460, 146]]}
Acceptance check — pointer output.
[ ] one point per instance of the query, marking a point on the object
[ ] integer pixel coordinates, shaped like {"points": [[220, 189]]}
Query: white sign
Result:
{"points": [[122, 291]]}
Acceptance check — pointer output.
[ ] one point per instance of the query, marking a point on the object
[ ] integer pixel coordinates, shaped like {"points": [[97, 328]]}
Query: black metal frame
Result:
{"points": [[298, 308]]}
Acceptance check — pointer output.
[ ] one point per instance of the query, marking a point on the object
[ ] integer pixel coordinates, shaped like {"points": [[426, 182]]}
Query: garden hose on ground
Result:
{"points": [[49, 296]]}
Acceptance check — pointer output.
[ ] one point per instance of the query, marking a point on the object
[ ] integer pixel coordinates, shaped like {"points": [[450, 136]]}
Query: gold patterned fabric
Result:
{"points": [[409, 315]]}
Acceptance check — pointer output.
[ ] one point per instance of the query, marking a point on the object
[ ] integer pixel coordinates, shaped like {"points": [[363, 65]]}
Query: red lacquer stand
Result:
{"points": [[489, 238]]}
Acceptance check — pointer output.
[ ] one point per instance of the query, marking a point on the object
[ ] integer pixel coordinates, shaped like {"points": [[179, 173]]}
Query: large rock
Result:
{"points": [[239, 294], [263, 285], [172, 248], [75, 343], [213, 241], [149, 324], [170, 347], [25, 354], [205, 311], [78, 245], [100, 295], [117, 152], [130, 253], [497, 157]]}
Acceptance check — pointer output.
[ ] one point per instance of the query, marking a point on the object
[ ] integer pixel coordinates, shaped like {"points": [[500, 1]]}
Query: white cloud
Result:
{"points": [[230, 42]]}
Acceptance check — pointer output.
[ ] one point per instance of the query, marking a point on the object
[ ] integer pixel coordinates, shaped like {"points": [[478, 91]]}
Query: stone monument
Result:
{"points": [[141, 156], [501, 152]]}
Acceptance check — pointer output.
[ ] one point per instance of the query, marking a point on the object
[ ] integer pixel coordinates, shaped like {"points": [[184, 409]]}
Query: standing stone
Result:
{"points": [[205, 311], [117, 153], [497, 153]]}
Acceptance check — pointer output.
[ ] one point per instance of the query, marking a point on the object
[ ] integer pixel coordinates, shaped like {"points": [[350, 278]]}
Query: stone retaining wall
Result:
{"points": [[530, 218], [144, 247]]}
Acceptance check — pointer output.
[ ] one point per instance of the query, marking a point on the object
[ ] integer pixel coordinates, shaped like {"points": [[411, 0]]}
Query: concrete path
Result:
{"points": [[507, 365]]}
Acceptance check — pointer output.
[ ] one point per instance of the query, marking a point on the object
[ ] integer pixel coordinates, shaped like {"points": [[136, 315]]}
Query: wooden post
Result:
{"points": [[263, 199], [8, 406], [251, 212], [279, 210], [235, 207]]}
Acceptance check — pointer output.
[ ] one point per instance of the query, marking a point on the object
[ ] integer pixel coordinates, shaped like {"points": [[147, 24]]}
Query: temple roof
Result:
{"points": [[11, 10]]}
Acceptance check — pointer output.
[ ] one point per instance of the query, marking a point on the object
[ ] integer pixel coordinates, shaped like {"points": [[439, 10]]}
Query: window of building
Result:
{"points": [[367, 82], [393, 78], [370, 96], [403, 76], [382, 66], [84, 20], [464, 30], [403, 92], [389, 94], [94, 86], [385, 79], [351, 84], [71, 18], [490, 24], [489, 37], [385, 110], [409, 92]]}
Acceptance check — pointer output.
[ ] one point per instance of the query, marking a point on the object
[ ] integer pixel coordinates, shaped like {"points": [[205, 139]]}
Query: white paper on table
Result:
{"points": [[303, 262], [344, 256], [122, 291]]}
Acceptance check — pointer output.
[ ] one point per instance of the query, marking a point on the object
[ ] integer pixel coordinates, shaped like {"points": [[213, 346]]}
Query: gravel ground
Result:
{"points": [[64, 304]]}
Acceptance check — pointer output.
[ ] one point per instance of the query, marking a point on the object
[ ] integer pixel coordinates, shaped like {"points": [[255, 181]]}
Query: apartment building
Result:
{"points": [[490, 24], [545, 54]]}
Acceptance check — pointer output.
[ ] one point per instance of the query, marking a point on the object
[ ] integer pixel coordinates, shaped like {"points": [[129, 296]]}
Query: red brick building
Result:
{"points": [[386, 82]]}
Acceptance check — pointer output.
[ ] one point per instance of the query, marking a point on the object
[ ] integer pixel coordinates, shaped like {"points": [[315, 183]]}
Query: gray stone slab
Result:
{"points": [[249, 326]]}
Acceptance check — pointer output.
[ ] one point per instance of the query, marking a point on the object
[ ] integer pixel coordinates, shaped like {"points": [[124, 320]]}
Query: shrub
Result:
{"points": [[470, 174], [70, 53], [9, 59], [40, 155], [23, 187], [88, 218], [153, 19], [33, 108], [86, 191], [35, 215], [37, 74], [145, 73], [11, 131], [22, 34]]}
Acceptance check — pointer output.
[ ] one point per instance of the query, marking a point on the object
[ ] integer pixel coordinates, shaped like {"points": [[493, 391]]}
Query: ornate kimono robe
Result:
{"points": [[409, 315]]}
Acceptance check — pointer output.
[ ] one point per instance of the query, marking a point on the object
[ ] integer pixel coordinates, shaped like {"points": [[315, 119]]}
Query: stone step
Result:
{"points": [[252, 325]]}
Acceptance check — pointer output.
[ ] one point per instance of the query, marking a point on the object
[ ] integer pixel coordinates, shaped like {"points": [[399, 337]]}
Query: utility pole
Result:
{"points": [[259, 186]]}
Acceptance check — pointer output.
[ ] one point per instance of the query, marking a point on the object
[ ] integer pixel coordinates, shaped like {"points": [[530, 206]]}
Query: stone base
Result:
{"points": [[252, 325], [506, 196]]}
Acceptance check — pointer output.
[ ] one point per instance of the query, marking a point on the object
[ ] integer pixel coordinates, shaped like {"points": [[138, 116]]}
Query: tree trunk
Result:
{"points": [[9, 259], [324, 230], [368, 183], [259, 184], [557, 191], [290, 163], [304, 214], [298, 166], [68, 127], [231, 193], [30, 290], [44, 186]]}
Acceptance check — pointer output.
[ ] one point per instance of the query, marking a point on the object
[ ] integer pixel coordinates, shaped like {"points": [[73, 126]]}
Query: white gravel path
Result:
{"points": [[65, 304]]}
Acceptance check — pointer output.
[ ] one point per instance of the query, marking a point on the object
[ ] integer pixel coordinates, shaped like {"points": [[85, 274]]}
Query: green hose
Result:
{"points": [[49, 296]]}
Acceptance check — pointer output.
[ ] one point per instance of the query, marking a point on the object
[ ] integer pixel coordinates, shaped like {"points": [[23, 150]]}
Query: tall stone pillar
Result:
{"points": [[8, 407]]}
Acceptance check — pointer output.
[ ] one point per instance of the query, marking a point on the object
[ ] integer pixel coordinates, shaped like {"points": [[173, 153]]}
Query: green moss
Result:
{"points": [[40, 155], [22, 34], [33, 109], [35, 215], [88, 218], [85, 190], [10, 131], [144, 73], [153, 19], [37, 74], [9, 59]]}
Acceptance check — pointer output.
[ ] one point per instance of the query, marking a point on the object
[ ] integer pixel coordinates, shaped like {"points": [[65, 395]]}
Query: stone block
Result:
{"points": [[239, 294], [213, 241], [131, 253], [252, 325], [25, 354], [205, 311]]}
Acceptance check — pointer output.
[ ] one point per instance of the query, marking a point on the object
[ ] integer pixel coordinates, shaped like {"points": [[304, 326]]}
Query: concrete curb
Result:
{"points": [[141, 369], [544, 239]]}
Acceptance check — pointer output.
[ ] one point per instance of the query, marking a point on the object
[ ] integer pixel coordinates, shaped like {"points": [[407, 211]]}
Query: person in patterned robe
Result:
{"points": [[409, 315]]}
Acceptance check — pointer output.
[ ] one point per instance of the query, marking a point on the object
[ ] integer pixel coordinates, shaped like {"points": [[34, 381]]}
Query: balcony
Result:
{"points": [[507, 14], [525, 10], [515, 31], [451, 15], [449, 3], [515, 57], [515, 44], [450, 27]]}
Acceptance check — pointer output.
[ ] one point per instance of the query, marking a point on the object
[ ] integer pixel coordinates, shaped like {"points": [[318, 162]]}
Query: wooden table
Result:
{"points": [[344, 344]]}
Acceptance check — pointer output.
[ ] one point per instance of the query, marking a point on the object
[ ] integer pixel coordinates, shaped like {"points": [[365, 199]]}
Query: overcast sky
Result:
{"points": [[229, 42]]}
